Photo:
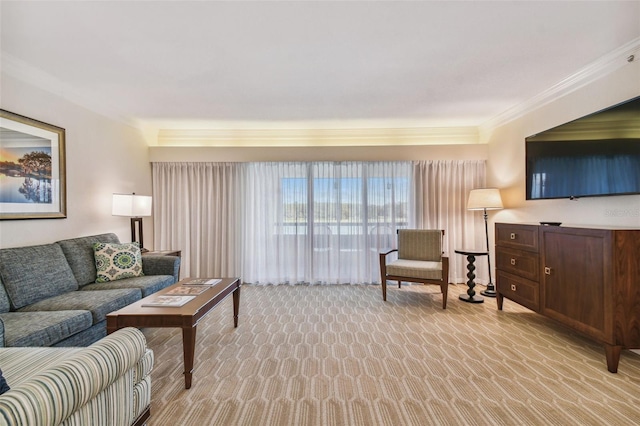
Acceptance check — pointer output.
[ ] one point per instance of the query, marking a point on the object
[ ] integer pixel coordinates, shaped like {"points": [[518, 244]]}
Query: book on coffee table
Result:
{"points": [[168, 301], [202, 281], [187, 290]]}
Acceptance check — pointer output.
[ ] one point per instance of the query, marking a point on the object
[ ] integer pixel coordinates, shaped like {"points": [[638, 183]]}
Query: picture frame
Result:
{"points": [[32, 169]]}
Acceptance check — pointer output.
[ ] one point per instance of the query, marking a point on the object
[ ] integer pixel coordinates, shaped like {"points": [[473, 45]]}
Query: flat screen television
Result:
{"points": [[595, 155]]}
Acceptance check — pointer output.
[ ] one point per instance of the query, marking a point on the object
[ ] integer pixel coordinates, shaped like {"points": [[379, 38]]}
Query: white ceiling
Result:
{"points": [[181, 64]]}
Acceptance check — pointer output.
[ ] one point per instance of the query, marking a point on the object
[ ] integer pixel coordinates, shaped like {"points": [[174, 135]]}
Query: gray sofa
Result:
{"points": [[49, 297]]}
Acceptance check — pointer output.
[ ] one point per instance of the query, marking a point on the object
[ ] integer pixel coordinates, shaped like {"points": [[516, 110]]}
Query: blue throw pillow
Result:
{"points": [[3, 384]]}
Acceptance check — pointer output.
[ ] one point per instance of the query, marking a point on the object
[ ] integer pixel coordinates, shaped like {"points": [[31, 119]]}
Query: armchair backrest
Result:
{"points": [[420, 244]]}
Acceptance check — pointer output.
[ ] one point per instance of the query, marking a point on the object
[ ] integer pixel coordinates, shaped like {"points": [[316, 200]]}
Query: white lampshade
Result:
{"points": [[484, 198], [131, 205]]}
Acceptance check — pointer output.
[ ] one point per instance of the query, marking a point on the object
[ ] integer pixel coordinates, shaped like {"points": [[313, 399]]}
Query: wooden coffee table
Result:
{"points": [[185, 317]]}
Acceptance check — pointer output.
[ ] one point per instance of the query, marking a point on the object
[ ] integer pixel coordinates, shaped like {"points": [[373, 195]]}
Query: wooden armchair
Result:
{"points": [[420, 260]]}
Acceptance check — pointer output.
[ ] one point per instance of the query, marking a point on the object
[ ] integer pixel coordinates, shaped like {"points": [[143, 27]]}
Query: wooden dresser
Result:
{"points": [[585, 278]]}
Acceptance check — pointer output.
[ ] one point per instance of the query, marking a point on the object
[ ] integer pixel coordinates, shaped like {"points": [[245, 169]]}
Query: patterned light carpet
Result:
{"points": [[339, 355]]}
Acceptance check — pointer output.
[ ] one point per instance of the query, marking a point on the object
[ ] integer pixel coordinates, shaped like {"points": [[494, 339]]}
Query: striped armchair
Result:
{"points": [[420, 259], [107, 383]]}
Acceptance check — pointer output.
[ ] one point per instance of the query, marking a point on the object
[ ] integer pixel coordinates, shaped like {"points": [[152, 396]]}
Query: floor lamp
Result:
{"points": [[135, 207], [486, 199]]}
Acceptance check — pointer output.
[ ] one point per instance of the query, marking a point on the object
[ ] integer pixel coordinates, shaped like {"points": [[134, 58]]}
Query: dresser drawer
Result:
{"points": [[518, 262], [518, 289], [523, 237]]}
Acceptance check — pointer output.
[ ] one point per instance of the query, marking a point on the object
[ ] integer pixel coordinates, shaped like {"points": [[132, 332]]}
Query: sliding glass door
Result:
{"points": [[329, 219]]}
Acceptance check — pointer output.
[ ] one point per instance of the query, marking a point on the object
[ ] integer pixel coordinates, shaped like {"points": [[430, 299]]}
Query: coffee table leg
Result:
{"points": [[112, 324], [236, 306], [188, 350]]}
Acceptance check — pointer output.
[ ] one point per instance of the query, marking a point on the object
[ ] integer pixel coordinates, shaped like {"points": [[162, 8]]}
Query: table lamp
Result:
{"points": [[486, 199], [135, 207]]}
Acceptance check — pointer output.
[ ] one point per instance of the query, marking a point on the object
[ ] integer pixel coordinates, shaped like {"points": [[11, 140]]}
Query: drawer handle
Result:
{"points": [[513, 235], [547, 270], [513, 287], [513, 261]]}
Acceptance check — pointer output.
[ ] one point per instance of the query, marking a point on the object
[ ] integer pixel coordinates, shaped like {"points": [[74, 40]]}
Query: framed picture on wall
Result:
{"points": [[32, 169]]}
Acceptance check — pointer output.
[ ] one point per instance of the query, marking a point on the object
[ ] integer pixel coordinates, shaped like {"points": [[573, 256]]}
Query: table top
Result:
{"points": [[472, 252], [200, 304]]}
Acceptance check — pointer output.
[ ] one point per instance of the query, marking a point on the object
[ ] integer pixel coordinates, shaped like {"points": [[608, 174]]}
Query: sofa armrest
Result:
{"points": [[55, 394], [1, 333], [161, 265]]}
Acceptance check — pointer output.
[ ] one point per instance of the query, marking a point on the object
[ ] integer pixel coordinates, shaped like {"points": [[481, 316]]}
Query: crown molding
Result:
{"points": [[318, 137], [607, 64], [203, 154]]}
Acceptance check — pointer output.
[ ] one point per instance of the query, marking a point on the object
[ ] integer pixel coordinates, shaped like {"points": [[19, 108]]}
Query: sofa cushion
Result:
{"points": [[4, 299], [85, 337], [147, 284], [79, 254], [99, 303], [420, 244], [35, 273], [117, 261], [43, 328], [415, 269]]}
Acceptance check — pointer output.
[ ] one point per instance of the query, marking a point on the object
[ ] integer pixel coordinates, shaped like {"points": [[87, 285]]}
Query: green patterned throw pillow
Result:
{"points": [[117, 261]]}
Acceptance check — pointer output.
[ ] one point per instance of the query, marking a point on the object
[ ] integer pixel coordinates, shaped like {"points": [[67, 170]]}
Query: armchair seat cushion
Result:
{"points": [[99, 303], [415, 269], [43, 328]]}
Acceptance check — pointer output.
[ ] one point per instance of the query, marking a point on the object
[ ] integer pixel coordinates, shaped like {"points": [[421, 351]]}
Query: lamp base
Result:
{"points": [[490, 291], [136, 225]]}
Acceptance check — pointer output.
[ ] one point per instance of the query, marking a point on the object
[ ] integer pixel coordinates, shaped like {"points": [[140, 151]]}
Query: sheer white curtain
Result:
{"points": [[439, 201], [321, 222]]}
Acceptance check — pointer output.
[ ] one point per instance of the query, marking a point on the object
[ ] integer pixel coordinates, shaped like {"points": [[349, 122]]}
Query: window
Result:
{"points": [[340, 214]]}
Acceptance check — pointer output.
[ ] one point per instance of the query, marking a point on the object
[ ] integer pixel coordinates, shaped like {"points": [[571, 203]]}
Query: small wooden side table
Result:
{"points": [[471, 258]]}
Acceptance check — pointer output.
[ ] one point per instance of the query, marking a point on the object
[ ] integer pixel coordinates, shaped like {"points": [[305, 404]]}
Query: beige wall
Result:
{"points": [[505, 167], [103, 156]]}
